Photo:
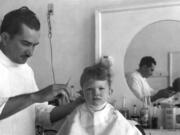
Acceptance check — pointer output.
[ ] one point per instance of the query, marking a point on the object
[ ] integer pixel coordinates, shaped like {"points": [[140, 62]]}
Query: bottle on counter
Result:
{"points": [[144, 114], [170, 117], [135, 115], [154, 118], [161, 116], [124, 110]]}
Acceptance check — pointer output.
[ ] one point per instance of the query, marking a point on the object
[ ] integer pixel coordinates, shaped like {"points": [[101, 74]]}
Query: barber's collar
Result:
{"points": [[7, 62]]}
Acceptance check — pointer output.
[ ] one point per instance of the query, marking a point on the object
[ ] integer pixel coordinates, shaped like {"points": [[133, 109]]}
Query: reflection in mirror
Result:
{"points": [[155, 40]]}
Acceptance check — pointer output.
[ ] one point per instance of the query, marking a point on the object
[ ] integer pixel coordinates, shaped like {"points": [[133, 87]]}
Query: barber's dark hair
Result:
{"points": [[13, 21], [97, 72], [176, 84], [147, 61]]}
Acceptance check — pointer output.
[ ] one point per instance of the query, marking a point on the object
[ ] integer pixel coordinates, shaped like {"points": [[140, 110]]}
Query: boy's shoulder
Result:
{"points": [[115, 112]]}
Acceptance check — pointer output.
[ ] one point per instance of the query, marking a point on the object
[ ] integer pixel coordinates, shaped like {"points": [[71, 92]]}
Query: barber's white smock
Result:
{"points": [[139, 85], [107, 121], [17, 79]]}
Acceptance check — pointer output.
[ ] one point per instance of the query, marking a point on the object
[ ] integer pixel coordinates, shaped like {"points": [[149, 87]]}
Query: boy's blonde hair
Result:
{"points": [[97, 72]]}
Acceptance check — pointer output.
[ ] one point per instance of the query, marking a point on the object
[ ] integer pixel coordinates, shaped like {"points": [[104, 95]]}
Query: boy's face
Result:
{"points": [[96, 92]]}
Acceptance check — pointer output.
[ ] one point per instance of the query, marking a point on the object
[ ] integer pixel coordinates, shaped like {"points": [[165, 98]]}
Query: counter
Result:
{"points": [[162, 131]]}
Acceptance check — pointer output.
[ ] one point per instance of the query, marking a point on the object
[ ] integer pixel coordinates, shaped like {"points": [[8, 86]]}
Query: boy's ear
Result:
{"points": [[109, 96], [111, 91]]}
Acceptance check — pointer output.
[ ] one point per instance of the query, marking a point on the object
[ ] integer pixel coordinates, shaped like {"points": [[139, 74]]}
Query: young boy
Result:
{"points": [[96, 116]]}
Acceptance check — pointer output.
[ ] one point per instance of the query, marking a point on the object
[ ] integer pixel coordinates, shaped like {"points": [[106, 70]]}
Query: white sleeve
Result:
{"points": [[43, 114], [3, 101], [135, 87]]}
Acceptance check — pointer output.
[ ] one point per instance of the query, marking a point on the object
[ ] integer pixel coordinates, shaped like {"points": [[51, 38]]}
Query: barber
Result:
{"points": [[21, 102]]}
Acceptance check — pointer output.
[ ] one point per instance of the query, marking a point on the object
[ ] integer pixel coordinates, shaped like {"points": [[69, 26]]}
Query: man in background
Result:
{"points": [[137, 81], [21, 102]]}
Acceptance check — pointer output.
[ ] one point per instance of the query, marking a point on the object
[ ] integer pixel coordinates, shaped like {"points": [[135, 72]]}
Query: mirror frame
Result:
{"points": [[165, 11]]}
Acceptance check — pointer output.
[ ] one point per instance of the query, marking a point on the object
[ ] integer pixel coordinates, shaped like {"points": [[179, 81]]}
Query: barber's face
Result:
{"points": [[148, 71], [21, 46]]}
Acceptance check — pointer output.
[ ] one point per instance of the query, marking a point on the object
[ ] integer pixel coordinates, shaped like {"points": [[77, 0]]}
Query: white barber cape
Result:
{"points": [[107, 121], [19, 79]]}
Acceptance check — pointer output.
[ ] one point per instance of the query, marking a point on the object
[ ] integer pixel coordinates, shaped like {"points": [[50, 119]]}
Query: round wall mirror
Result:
{"points": [[158, 40]]}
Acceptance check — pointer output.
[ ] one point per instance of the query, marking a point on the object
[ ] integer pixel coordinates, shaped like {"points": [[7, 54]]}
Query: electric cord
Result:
{"points": [[50, 44]]}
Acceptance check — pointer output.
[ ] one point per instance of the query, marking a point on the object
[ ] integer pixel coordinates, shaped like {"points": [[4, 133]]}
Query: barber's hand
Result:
{"points": [[165, 93], [49, 92], [78, 101], [81, 93]]}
